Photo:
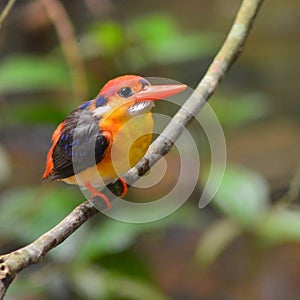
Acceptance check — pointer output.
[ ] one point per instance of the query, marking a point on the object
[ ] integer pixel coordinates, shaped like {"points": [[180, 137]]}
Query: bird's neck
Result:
{"points": [[114, 122]]}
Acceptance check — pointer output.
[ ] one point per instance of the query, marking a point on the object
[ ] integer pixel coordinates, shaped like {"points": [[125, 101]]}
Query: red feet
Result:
{"points": [[125, 187], [96, 193]]}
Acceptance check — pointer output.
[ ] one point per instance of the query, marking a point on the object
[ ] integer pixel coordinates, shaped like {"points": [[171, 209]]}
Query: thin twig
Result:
{"points": [[12, 263], [6, 11], [65, 32]]}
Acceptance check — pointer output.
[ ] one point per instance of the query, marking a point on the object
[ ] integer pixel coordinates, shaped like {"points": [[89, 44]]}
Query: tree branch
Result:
{"points": [[65, 31], [12, 263], [6, 11]]}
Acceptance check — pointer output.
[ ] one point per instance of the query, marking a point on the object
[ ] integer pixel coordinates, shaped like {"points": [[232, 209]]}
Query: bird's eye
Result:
{"points": [[125, 92]]}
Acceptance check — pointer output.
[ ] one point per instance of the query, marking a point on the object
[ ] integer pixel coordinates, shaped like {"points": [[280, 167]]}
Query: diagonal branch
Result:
{"points": [[65, 31], [12, 263], [6, 11]]}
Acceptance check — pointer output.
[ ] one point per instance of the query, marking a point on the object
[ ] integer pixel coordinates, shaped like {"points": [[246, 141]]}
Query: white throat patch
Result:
{"points": [[140, 107], [99, 111]]}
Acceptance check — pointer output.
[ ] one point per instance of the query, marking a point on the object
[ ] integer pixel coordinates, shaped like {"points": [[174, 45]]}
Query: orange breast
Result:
{"points": [[131, 139]]}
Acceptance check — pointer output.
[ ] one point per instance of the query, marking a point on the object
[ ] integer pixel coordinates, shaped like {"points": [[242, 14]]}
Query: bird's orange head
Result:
{"points": [[130, 95]]}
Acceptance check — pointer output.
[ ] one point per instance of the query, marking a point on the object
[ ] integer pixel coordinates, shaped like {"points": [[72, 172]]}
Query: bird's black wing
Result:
{"points": [[81, 144]]}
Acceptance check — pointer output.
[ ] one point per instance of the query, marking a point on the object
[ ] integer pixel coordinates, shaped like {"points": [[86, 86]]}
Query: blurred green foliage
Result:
{"points": [[101, 260], [235, 110], [108, 36], [163, 42], [146, 40], [243, 196], [244, 199], [31, 73]]}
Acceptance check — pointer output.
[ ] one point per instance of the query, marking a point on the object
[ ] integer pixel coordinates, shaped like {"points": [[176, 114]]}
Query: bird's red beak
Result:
{"points": [[157, 92]]}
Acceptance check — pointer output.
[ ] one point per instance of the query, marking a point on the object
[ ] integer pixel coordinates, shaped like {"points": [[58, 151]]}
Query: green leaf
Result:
{"points": [[280, 225], [187, 47], [111, 236], [236, 110], [108, 36], [215, 240], [155, 28], [25, 214], [21, 73], [163, 41], [95, 283], [243, 195], [35, 112]]}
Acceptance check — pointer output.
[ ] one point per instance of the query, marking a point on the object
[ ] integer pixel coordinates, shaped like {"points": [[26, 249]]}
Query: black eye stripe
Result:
{"points": [[125, 92]]}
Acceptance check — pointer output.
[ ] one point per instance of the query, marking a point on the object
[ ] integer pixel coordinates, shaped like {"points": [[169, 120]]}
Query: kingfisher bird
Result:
{"points": [[113, 129]]}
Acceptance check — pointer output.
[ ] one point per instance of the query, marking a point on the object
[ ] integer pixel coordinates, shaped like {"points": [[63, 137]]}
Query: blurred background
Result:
{"points": [[246, 243]]}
